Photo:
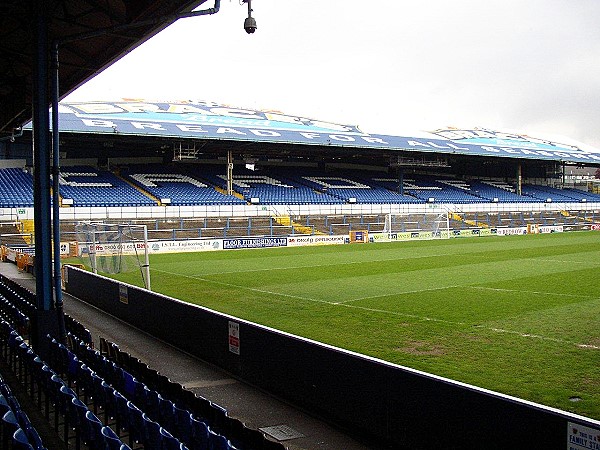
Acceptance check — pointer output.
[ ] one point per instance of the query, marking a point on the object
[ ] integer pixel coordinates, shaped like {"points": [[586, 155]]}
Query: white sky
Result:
{"points": [[388, 66]]}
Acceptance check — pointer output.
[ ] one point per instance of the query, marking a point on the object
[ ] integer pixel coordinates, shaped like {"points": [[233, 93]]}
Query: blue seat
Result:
{"points": [[91, 432], [34, 438], [112, 440], [169, 442], [97, 392], [199, 435], [85, 381], [49, 387], [183, 422], [122, 413], [153, 437], [65, 398], [218, 441], [77, 418], [9, 426], [136, 424], [152, 406], [166, 414], [37, 365], [4, 406], [110, 402], [20, 441], [128, 384]]}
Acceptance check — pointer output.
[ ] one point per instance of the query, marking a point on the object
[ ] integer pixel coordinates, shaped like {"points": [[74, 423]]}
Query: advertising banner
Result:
{"points": [[297, 241], [401, 236], [254, 242], [511, 231]]}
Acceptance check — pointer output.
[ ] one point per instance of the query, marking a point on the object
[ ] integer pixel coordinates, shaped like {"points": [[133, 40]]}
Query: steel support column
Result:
{"points": [[45, 321]]}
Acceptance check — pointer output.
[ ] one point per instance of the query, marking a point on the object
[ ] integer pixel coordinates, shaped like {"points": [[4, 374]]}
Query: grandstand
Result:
{"points": [[292, 200], [16, 188], [86, 186], [159, 185]]}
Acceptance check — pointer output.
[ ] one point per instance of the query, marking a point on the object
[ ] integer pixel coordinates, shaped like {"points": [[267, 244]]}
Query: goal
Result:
{"points": [[423, 226], [114, 248]]}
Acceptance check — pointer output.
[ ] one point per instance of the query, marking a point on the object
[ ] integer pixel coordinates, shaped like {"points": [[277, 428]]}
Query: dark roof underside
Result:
{"points": [[80, 59]]}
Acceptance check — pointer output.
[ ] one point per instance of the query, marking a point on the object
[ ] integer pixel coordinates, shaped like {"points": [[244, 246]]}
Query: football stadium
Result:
{"points": [[435, 290]]}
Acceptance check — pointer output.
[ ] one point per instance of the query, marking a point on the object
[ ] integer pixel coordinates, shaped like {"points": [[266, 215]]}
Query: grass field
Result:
{"points": [[518, 315]]}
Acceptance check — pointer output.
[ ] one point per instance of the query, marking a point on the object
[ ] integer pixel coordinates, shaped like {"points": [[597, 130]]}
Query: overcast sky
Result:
{"points": [[388, 66]]}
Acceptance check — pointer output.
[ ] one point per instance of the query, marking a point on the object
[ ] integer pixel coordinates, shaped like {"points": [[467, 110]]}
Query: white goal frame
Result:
{"points": [[440, 224], [93, 232]]}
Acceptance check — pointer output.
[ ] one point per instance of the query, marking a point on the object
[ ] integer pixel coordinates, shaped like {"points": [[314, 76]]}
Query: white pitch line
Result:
{"points": [[562, 261], [346, 263], [556, 294], [262, 291], [383, 311], [416, 291], [537, 336]]}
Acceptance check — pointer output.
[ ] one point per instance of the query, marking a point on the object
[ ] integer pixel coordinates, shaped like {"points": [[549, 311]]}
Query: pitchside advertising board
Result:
{"points": [[213, 121], [202, 245]]}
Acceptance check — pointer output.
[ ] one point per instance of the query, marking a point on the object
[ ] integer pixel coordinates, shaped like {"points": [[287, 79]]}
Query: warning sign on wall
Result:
{"points": [[580, 437], [234, 337]]}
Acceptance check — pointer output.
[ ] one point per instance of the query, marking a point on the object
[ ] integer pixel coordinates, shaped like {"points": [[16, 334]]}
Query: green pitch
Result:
{"points": [[518, 315]]}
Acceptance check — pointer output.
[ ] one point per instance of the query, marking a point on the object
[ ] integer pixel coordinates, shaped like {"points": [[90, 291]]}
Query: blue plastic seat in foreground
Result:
{"points": [[168, 441], [199, 435], [65, 398], [20, 441], [34, 438], [77, 411], [91, 432], [153, 437], [219, 442], [4, 406], [136, 424], [112, 440], [9, 425], [183, 422]]}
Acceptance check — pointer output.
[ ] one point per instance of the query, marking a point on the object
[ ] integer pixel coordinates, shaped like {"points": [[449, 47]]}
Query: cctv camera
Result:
{"points": [[250, 25]]}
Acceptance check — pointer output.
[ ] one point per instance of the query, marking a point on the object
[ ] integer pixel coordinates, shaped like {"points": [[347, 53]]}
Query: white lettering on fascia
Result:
{"points": [[147, 126]]}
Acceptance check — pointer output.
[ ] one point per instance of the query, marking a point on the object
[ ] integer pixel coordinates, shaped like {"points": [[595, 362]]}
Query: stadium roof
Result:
{"points": [[92, 35], [209, 121]]}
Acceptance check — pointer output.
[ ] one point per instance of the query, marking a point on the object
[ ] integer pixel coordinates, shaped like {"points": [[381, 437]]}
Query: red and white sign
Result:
{"points": [[234, 337]]}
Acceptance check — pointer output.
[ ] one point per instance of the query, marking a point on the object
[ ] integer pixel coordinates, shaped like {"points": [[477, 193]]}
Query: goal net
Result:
{"points": [[114, 248], [423, 226]]}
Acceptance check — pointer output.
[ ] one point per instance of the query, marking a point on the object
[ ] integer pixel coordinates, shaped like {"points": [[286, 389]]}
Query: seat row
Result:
{"points": [[17, 305], [140, 414], [55, 399], [97, 399], [179, 409], [16, 430]]}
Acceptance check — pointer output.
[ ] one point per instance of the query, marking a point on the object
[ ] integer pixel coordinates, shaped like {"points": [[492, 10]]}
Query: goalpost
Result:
{"points": [[114, 248], [428, 225]]}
